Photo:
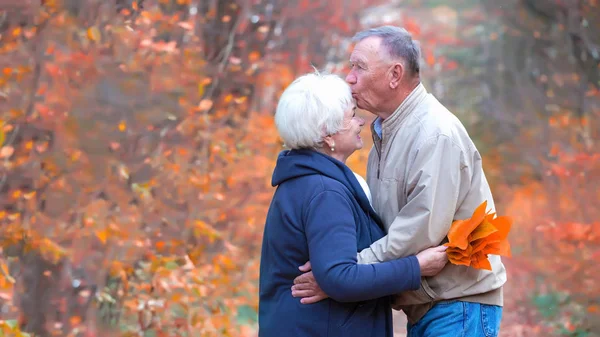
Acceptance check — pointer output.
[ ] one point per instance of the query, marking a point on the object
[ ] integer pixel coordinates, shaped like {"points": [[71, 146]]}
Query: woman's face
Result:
{"points": [[347, 140]]}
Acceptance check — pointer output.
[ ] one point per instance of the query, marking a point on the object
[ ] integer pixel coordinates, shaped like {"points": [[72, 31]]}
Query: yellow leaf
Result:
{"points": [[2, 134], [201, 228], [122, 126], [51, 250], [102, 235], [5, 273], [93, 33]]}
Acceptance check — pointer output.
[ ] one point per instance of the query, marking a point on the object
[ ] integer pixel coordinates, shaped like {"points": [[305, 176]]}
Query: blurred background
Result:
{"points": [[137, 144]]}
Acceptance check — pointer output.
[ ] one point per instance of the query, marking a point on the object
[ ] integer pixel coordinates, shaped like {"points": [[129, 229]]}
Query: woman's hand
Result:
{"points": [[432, 260]]}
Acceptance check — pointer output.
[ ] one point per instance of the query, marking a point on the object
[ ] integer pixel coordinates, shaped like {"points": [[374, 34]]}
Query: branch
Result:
{"points": [[37, 50], [226, 53]]}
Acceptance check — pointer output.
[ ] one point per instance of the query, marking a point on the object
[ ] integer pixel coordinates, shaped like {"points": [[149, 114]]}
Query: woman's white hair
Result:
{"points": [[311, 108]]}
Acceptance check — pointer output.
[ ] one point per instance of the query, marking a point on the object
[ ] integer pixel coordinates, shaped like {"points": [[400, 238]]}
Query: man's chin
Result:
{"points": [[362, 107]]}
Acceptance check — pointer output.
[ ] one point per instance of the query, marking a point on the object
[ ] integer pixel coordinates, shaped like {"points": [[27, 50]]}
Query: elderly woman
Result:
{"points": [[320, 212]]}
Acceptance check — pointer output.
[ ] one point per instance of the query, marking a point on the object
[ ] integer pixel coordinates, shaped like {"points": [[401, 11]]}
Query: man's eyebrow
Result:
{"points": [[358, 61]]}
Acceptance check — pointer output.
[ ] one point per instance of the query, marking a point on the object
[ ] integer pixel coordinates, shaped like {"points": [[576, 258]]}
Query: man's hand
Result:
{"points": [[306, 286], [432, 260]]}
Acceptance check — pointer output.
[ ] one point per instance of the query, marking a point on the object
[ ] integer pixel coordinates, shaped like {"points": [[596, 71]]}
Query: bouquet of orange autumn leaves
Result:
{"points": [[471, 240]]}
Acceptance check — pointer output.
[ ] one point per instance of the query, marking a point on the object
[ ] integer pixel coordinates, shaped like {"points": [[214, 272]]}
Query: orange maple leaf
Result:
{"points": [[471, 240]]}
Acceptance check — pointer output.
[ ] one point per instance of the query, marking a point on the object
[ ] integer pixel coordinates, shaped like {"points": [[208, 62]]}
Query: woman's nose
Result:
{"points": [[361, 121]]}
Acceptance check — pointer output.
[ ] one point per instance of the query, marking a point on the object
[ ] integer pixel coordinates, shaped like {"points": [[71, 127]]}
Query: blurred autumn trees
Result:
{"points": [[137, 143], [544, 63], [531, 69], [137, 146], [545, 93]]}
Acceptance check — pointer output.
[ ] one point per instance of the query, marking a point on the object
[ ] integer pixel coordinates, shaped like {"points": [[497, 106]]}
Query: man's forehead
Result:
{"points": [[367, 49], [358, 57]]}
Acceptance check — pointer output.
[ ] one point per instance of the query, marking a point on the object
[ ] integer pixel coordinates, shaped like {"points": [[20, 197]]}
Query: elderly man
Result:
{"points": [[424, 171]]}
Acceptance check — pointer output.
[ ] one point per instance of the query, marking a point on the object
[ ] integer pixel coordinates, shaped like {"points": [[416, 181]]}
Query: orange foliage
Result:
{"points": [[558, 229], [137, 145], [471, 240]]}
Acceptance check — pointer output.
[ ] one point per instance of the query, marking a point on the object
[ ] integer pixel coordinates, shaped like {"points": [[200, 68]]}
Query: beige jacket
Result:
{"points": [[424, 172]]}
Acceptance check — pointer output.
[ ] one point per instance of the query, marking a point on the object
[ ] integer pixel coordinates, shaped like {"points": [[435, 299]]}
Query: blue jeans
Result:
{"points": [[460, 319]]}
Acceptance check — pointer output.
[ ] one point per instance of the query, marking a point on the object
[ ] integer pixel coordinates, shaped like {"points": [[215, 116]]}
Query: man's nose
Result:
{"points": [[350, 78]]}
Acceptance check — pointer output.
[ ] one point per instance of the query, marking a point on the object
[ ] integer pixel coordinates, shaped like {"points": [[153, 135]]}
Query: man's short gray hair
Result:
{"points": [[398, 42], [311, 108]]}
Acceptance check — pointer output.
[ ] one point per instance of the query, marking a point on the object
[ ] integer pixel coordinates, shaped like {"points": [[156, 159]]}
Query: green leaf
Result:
{"points": [[547, 304], [150, 333], [12, 323], [171, 265], [577, 333], [246, 314]]}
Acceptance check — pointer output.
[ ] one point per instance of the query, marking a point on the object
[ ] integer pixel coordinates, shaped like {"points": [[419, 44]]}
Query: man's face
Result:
{"points": [[369, 75]]}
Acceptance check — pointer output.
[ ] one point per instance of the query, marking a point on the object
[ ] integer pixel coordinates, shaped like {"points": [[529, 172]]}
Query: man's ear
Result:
{"points": [[397, 73]]}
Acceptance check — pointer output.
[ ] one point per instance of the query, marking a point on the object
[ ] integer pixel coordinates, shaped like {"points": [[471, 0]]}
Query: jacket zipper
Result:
{"points": [[378, 143]]}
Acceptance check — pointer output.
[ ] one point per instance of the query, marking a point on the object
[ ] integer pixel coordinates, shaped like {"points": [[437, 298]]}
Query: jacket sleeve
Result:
{"points": [[331, 234], [433, 185]]}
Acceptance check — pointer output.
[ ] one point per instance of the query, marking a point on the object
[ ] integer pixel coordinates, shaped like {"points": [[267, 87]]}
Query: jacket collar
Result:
{"points": [[405, 109]]}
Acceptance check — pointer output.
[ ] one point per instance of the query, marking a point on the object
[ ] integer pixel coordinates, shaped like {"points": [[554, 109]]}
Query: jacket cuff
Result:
{"points": [[415, 273]]}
